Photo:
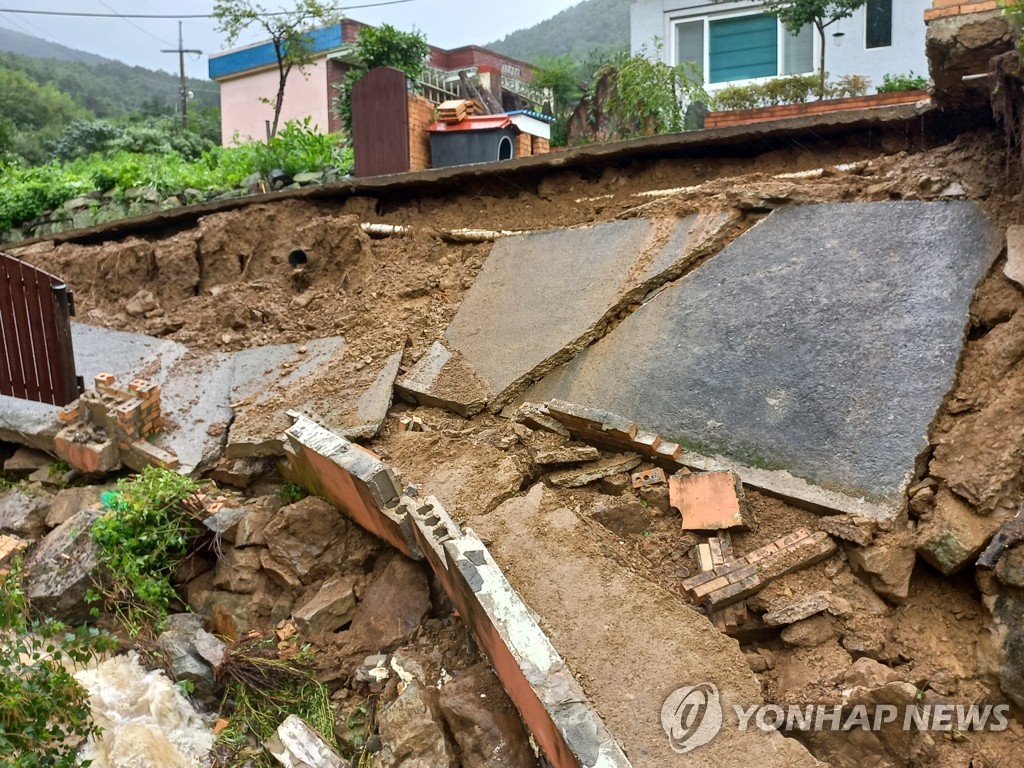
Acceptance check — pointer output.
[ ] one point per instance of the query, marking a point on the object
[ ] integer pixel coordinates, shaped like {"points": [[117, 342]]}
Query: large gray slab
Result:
{"points": [[820, 343], [542, 297]]}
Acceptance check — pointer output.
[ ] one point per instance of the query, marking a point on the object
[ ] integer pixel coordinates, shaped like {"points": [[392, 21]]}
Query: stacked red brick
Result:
{"points": [[744, 576], [138, 415], [942, 8], [763, 114], [421, 116]]}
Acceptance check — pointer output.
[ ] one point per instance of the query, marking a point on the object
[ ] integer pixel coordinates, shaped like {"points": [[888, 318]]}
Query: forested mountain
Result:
{"points": [[592, 29]]}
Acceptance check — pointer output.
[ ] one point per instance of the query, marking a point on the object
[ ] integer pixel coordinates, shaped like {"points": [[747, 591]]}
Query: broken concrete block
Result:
{"points": [[536, 416], [69, 501], [859, 530], [177, 643], [589, 473], [239, 571], [953, 535], [648, 477], [328, 610], [565, 454], [59, 570], [443, 379], [886, 565], [615, 484], [412, 731], [809, 633], [239, 473], [224, 522], [296, 745], [789, 612], [1014, 267], [94, 457], [709, 501], [23, 514]]}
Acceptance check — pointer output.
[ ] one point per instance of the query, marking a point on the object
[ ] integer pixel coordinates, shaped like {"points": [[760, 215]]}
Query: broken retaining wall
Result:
{"points": [[552, 704]]}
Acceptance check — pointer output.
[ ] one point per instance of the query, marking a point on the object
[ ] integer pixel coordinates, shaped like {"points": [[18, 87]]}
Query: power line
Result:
{"points": [[84, 14], [139, 27]]}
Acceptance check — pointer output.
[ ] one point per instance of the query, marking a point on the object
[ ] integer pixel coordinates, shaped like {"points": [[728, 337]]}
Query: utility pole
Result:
{"points": [[181, 50]]}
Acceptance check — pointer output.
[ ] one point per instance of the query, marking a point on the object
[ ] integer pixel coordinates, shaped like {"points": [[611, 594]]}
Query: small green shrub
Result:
{"points": [[44, 712], [292, 492], [795, 89], [907, 82], [143, 535]]}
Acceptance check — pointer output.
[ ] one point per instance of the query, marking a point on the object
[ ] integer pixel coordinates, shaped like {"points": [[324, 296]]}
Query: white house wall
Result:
{"points": [[650, 19]]}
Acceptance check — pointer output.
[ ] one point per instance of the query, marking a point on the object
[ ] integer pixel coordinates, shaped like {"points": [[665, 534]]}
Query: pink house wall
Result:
{"points": [[242, 111]]}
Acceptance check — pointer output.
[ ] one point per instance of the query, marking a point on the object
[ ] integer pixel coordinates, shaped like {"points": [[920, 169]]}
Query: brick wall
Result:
{"points": [[524, 147], [942, 8], [762, 114], [421, 115]]}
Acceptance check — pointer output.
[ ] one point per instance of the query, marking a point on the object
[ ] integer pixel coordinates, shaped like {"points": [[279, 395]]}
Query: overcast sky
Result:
{"points": [[446, 23]]}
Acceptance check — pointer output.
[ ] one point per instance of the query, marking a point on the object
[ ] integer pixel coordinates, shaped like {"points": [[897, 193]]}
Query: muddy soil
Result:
{"points": [[229, 284]]}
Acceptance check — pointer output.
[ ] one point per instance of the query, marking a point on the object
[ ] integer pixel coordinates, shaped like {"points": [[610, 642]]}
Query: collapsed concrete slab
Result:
{"points": [[541, 297], [350, 397], [819, 343]]}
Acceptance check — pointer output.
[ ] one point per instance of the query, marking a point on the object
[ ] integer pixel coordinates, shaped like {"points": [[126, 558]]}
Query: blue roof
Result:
{"points": [[531, 113], [262, 54]]}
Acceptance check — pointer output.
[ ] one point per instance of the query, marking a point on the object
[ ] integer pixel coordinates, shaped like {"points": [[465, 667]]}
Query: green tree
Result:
{"points": [[796, 14], [558, 75], [382, 46], [289, 32], [647, 96]]}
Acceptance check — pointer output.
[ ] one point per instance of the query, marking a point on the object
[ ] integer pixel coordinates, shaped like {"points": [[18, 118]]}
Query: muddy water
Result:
{"points": [[146, 722]]}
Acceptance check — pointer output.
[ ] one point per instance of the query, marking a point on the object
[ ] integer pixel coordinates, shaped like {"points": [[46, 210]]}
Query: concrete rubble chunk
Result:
{"points": [[870, 674], [782, 315], [224, 522], [238, 571], [59, 570], [536, 416], [485, 725], [789, 612], [239, 473], [589, 473], [615, 484], [328, 610], [953, 536], [25, 461], [809, 633], [184, 662], [296, 745], [710, 501], [859, 530], [887, 565], [68, 501], [1014, 267], [565, 454], [443, 379], [412, 731], [22, 513]]}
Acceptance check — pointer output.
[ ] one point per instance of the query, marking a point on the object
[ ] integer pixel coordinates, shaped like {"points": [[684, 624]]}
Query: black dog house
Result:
{"points": [[475, 139]]}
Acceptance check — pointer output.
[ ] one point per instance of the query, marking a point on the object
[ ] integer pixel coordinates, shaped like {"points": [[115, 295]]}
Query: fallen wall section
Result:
{"points": [[552, 704]]}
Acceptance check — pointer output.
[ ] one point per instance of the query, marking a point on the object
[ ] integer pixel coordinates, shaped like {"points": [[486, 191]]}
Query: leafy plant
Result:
{"points": [[650, 97], [44, 712], [142, 537], [795, 89], [263, 685], [902, 82], [292, 492], [382, 46]]}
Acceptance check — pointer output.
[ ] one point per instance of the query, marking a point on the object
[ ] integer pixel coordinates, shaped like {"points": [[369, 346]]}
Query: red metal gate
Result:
{"points": [[37, 361]]}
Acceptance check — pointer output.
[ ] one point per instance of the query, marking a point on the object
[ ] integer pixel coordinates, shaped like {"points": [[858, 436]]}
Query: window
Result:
{"points": [[879, 24], [743, 48]]}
